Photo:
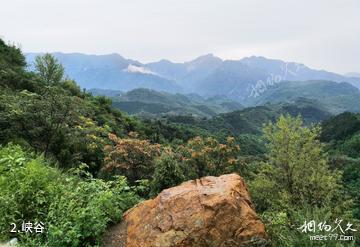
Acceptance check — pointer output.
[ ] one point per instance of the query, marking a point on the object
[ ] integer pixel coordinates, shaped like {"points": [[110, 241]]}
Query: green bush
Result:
{"points": [[75, 210], [351, 146], [168, 172], [295, 185], [26, 186]]}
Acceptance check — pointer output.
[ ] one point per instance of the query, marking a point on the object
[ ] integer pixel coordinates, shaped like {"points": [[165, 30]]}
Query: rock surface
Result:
{"points": [[211, 211]]}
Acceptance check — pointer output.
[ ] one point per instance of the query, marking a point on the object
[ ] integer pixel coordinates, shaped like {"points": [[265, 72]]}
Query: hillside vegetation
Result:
{"points": [[251, 120], [150, 103], [334, 97]]}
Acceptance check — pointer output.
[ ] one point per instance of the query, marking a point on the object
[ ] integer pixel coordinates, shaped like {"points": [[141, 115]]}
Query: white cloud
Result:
{"points": [[136, 69]]}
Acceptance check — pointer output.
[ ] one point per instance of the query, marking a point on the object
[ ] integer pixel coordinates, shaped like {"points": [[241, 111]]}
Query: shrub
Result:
{"points": [[168, 172], [295, 184], [25, 188], [351, 146], [131, 157], [206, 156], [75, 210]]}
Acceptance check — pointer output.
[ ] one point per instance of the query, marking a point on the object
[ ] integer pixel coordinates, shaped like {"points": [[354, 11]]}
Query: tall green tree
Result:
{"points": [[49, 69], [295, 184], [297, 168]]}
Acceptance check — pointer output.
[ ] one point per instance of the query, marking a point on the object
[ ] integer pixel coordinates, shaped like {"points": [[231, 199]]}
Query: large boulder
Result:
{"points": [[211, 211]]}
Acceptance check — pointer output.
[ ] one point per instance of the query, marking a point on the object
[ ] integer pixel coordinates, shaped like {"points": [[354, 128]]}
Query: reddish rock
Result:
{"points": [[211, 211]]}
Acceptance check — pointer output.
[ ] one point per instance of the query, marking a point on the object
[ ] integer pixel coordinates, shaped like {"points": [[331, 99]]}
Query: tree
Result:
{"points": [[41, 119], [351, 146], [168, 172], [12, 67], [49, 69], [131, 157], [295, 184], [297, 169], [206, 156]]}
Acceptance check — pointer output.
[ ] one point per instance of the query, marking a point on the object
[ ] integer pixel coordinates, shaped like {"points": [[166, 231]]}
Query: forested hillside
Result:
{"points": [[75, 163], [152, 104], [251, 120], [334, 97]]}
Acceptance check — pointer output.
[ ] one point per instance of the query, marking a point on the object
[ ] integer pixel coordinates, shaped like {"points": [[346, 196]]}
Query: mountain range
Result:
{"points": [[109, 72], [327, 96], [242, 80]]}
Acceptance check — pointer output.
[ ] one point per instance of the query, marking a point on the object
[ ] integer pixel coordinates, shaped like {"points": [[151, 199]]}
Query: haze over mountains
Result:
{"points": [[150, 103], [249, 81], [334, 97], [353, 74], [207, 75]]}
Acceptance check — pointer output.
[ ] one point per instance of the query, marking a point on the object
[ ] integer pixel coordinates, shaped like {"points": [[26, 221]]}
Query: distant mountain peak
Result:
{"points": [[209, 55], [256, 57], [206, 58], [262, 59], [204, 62], [163, 61]]}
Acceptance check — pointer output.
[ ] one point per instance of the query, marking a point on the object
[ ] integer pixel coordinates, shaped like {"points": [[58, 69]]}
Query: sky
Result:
{"points": [[322, 34]]}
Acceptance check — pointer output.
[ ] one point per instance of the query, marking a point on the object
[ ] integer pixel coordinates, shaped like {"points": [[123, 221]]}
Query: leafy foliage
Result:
{"points": [[132, 157], [251, 120], [150, 103], [206, 156], [340, 126], [168, 172], [296, 181], [76, 211], [49, 69]]}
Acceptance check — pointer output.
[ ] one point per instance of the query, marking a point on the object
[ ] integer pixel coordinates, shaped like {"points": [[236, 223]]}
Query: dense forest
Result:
{"points": [[75, 163]]}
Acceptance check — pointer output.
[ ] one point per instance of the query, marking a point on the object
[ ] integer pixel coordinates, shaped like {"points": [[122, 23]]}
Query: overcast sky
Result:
{"points": [[319, 33]]}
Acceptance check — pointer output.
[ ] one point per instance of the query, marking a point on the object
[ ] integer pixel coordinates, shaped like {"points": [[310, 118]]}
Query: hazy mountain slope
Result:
{"points": [[250, 120], [105, 92], [336, 97], [353, 74], [152, 103], [240, 79], [188, 74], [251, 76], [233, 79], [207, 75], [110, 72], [168, 69], [290, 71]]}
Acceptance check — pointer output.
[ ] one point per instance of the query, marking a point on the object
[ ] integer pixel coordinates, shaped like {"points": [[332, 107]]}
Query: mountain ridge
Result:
{"points": [[206, 75], [150, 103]]}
